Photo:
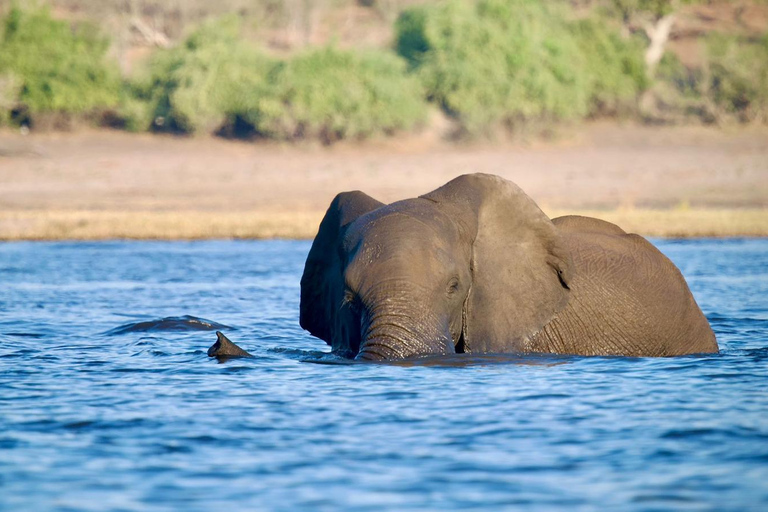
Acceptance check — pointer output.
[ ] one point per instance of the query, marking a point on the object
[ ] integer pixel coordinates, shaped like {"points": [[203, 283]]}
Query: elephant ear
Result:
{"points": [[322, 284], [520, 266]]}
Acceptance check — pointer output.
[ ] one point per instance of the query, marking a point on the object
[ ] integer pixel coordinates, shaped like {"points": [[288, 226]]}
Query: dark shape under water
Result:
{"points": [[224, 348], [448, 360], [171, 323]]}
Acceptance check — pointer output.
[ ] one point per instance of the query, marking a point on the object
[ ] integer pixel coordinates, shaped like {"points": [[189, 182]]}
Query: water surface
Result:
{"points": [[97, 415]]}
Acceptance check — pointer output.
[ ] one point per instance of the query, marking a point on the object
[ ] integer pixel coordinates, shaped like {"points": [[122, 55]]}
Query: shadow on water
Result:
{"points": [[171, 323], [447, 361]]}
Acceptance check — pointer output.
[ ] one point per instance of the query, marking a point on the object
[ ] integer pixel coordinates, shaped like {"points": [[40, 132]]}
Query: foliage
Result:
{"points": [[629, 9], [216, 81], [686, 81], [192, 87], [738, 77], [677, 94], [9, 95], [411, 41], [55, 68], [333, 94], [614, 66], [133, 114], [494, 62], [731, 85], [487, 63]]}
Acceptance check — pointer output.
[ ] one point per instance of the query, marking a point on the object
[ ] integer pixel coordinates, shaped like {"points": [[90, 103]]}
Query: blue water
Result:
{"points": [[95, 415]]}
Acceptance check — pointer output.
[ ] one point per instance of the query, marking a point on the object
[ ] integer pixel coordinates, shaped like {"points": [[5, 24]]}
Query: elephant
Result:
{"points": [[476, 267]]}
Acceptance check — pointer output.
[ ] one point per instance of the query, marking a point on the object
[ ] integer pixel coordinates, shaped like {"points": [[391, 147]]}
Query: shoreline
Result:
{"points": [[102, 185], [89, 225]]}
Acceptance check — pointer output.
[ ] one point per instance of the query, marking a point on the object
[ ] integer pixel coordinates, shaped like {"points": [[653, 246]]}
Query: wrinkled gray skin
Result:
{"points": [[476, 267]]}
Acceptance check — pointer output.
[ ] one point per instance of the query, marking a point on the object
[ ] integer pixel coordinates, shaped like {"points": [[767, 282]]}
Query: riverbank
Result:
{"points": [[672, 182], [195, 225]]}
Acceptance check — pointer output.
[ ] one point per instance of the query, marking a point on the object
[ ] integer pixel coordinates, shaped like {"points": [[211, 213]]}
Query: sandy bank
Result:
{"points": [[195, 225], [101, 184]]}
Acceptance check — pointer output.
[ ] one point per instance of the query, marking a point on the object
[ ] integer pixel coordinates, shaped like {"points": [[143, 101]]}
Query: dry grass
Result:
{"points": [[108, 185], [194, 225], [153, 225], [685, 223]]}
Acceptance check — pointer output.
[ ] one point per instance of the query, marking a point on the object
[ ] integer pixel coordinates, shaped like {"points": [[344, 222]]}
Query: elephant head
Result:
{"points": [[474, 266]]}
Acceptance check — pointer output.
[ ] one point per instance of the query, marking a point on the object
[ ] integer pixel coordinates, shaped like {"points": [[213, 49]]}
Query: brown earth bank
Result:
{"points": [[668, 181]]}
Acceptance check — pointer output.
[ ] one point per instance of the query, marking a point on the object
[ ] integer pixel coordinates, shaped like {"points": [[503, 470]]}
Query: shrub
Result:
{"points": [[192, 87], [687, 82], [677, 94], [334, 94], [615, 68], [737, 77], [134, 114], [732, 83], [56, 69], [496, 61], [9, 96], [214, 81]]}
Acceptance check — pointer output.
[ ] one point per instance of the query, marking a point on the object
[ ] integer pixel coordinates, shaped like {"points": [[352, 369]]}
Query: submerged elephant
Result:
{"points": [[475, 266]]}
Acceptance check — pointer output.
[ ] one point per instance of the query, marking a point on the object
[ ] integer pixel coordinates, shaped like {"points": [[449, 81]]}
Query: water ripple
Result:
{"points": [[171, 323], [137, 417]]}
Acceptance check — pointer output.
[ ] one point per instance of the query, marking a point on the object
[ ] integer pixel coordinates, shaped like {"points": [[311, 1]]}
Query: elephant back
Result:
{"points": [[627, 298]]}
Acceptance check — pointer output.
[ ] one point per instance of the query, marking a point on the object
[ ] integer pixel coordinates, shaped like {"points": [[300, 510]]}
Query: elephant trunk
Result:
{"points": [[389, 335]]}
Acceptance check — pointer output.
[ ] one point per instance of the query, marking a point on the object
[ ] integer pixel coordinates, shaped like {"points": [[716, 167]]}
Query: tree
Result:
{"points": [[656, 18]]}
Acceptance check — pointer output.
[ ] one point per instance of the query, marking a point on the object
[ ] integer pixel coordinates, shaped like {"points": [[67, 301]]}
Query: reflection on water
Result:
{"points": [[447, 361], [98, 415]]}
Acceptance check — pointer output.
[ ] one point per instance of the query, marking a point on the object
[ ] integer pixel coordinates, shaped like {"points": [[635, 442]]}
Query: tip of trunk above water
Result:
{"points": [[224, 348]]}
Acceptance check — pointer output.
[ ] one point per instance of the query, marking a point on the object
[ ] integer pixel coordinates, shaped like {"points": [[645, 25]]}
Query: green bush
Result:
{"points": [[56, 69], [687, 82], [514, 62], [615, 67], [737, 77], [9, 96], [496, 62], [334, 94], [194, 86], [731, 84], [678, 94], [214, 81]]}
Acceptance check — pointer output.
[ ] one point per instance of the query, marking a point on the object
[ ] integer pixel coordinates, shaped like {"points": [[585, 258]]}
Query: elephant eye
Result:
{"points": [[350, 300], [453, 285]]}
